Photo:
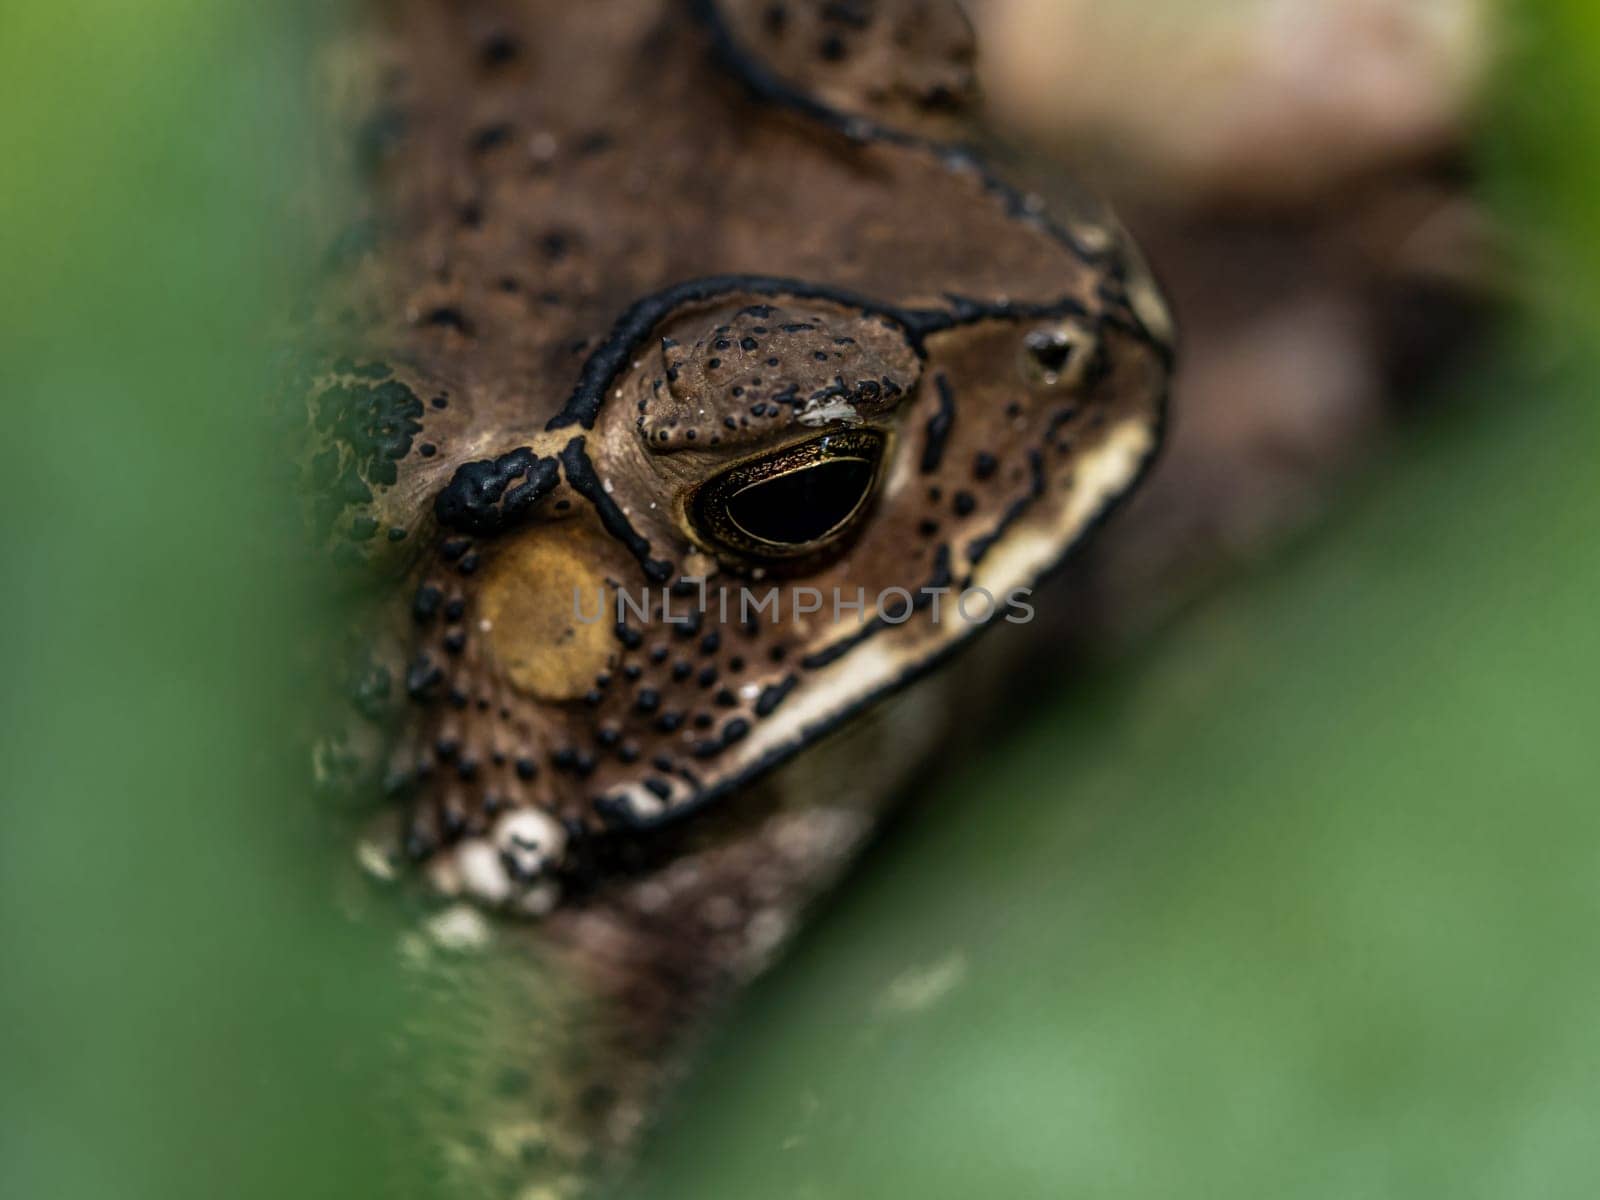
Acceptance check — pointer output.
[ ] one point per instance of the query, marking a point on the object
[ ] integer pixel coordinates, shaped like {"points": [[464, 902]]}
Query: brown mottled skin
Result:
{"points": [[612, 251]]}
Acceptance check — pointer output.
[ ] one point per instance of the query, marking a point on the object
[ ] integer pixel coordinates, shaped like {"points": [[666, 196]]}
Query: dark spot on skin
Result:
{"points": [[981, 546], [368, 429], [964, 504], [555, 245], [775, 695], [939, 426], [490, 137], [984, 466], [449, 317], [423, 679], [647, 701], [498, 50], [526, 769], [480, 498], [1058, 420]]}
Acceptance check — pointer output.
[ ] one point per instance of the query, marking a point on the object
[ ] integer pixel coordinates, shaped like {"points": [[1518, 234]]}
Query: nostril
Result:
{"points": [[1051, 349], [1059, 355]]}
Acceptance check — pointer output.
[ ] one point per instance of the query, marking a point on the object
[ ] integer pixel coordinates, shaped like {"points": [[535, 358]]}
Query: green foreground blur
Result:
{"points": [[1300, 902]]}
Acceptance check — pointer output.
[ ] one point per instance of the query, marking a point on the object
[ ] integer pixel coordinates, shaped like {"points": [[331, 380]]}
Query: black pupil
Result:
{"points": [[802, 506]]}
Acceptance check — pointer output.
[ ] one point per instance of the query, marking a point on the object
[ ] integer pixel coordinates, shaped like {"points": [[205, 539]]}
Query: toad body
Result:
{"points": [[686, 389]]}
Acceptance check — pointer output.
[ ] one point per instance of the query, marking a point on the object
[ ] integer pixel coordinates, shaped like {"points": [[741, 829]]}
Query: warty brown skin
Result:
{"points": [[617, 261]]}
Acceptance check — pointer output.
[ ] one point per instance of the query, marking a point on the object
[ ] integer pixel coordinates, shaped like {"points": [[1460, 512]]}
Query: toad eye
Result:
{"points": [[792, 504]]}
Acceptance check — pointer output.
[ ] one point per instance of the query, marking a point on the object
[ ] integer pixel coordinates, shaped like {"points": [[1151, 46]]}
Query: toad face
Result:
{"points": [[710, 427]]}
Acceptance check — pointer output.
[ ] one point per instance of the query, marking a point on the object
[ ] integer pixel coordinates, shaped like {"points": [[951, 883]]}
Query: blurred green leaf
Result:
{"points": [[181, 1012]]}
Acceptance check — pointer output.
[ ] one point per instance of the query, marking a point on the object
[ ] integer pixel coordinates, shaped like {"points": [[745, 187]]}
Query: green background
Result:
{"points": [[1301, 900]]}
